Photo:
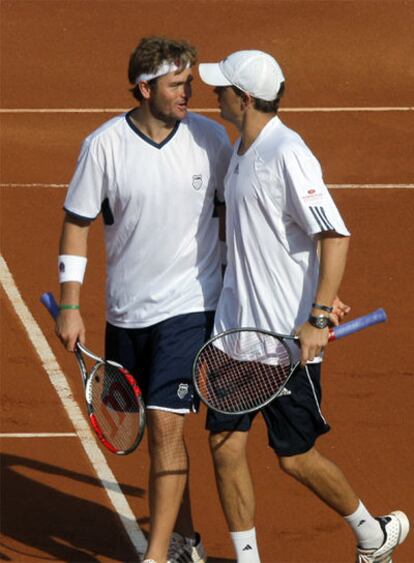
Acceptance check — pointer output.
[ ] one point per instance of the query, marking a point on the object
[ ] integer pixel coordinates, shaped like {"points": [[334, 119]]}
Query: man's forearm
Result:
{"points": [[73, 242], [333, 252]]}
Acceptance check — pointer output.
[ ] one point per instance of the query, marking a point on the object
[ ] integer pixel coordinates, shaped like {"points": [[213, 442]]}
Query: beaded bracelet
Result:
{"points": [[322, 307]]}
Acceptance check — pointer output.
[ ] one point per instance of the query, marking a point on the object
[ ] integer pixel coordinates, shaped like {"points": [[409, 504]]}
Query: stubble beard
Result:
{"points": [[158, 113]]}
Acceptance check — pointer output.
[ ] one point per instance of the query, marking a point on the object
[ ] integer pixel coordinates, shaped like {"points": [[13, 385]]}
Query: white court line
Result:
{"points": [[346, 109], [211, 110], [60, 383], [330, 186], [369, 186], [57, 186], [37, 435]]}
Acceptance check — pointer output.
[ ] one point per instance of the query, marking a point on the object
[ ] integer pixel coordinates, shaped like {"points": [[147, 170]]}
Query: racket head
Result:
{"points": [[115, 407], [242, 370]]}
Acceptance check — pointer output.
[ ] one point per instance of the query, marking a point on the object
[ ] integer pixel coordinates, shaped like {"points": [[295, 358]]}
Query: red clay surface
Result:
{"points": [[73, 54]]}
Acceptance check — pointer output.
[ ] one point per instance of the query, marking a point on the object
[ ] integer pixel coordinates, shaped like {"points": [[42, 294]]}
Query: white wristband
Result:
{"points": [[71, 268], [223, 252]]}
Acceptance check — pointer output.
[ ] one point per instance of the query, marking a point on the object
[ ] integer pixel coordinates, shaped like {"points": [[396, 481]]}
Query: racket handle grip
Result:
{"points": [[49, 301], [360, 323]]}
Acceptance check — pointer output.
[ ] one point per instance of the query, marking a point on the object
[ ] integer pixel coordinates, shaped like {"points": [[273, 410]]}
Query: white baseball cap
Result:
{"points": [[255, 72]]}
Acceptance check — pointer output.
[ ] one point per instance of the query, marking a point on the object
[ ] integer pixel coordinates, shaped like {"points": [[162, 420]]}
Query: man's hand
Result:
{"points": [[312, 341], [70, 328], [340, 310]]}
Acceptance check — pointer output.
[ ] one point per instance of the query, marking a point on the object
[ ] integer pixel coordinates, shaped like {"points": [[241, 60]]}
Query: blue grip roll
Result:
{"points": [[49, 302], [378, 316]]}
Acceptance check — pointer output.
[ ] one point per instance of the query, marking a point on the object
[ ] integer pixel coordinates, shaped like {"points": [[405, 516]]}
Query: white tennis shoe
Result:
{"points": [[395, 527], [186, 550]]}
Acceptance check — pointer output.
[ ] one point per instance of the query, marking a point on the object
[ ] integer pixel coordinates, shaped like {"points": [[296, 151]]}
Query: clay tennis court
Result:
{"points": [[350, 94]]}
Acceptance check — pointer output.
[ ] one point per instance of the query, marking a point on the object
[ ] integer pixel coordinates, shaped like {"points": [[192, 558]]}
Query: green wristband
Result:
{"points": [[64, 306]]}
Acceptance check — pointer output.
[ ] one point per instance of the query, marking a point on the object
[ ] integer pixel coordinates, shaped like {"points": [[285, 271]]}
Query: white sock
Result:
{"points": [[366, 528], [246, 546]]}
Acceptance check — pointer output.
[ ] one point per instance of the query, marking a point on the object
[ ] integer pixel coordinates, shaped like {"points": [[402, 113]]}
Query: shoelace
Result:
{"points": [[369, 557], [177, 547]]}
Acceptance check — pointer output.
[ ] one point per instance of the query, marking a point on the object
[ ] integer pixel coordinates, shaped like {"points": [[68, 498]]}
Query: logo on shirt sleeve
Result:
{"points": [[197, 181], [312, 195]]}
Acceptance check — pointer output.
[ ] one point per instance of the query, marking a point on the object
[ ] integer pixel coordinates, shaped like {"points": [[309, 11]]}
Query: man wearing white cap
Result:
{"points": [[153, 174], [278, 212]]}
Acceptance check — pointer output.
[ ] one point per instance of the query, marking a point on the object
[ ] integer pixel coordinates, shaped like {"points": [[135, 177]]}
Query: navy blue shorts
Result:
{"points": [[161, 357], [294, 420]]}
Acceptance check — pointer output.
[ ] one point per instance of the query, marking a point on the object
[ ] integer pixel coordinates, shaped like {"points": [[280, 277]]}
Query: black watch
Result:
{"points": [[321, 321]]}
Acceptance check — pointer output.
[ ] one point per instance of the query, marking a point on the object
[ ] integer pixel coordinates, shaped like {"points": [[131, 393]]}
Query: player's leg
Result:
{"points": [[185, 542], [168, 477], [234, 483], [184, 524], [233, 478], [327, 481], [294, 422], [175, 343], [322, 477]]}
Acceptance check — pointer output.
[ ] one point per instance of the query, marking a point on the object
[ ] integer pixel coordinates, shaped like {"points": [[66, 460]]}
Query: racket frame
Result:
{"points": [[87, 378], [48, 300]]}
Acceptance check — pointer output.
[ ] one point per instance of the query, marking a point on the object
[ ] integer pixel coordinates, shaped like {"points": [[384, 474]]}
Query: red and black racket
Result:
{"points": [[242, 370], [115, 406]]}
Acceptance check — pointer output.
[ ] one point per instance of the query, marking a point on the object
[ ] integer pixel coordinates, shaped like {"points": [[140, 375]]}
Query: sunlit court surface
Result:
{"points": [[350, 94]]}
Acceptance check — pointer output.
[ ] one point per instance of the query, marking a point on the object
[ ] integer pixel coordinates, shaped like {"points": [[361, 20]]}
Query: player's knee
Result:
{"points": [[165, 431], [296, 465], [290, 465], [227, 449]]}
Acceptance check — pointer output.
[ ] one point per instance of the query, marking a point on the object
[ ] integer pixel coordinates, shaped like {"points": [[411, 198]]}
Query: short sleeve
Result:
{"points": [[87, 189], [308, 200]]}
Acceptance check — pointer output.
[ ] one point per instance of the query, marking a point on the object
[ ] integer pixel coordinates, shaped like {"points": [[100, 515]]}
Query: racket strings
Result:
{"points": [[242, 370], [115, 405]]}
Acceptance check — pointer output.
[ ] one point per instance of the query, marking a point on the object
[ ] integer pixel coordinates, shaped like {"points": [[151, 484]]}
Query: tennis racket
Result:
{"points": [[115, 406], [242, 370]]}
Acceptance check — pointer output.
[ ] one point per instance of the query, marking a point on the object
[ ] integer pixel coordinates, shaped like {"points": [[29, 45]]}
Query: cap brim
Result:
{"points": [[211, 74]]}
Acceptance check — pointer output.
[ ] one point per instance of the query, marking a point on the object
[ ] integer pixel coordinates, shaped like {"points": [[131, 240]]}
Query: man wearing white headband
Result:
{"points": [[153, 174], [278, 211]]}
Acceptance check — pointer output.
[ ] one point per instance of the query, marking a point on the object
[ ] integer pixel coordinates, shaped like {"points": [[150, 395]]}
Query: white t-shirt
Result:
{"points": [[157, 201], [276, 201]]}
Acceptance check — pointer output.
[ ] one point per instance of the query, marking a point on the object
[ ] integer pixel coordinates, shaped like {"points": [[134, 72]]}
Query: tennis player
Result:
{"points": [[278, 211], [153, 174]]}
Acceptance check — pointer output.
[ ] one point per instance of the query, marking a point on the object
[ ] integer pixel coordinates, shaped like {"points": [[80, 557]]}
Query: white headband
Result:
{"points": [[165, 68]]}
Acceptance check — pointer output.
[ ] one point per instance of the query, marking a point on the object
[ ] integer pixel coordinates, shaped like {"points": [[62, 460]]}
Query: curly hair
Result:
{"points": [[151, 52]]}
